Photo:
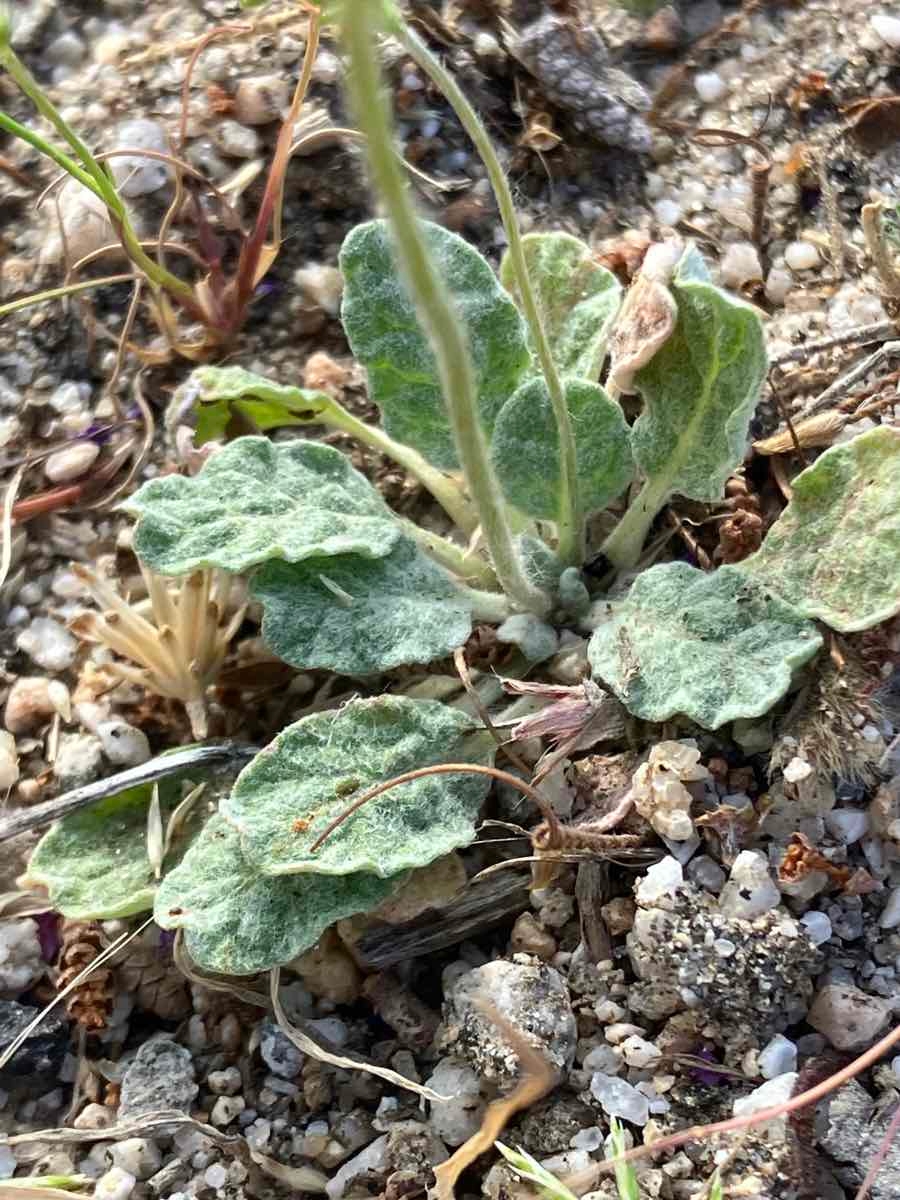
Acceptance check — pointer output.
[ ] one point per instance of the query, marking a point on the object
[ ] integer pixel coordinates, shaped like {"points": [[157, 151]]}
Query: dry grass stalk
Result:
{"points": [[178, 637]]}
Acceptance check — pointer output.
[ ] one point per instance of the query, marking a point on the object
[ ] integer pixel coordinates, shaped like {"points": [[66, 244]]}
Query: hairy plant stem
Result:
{"points": [[435, 307], [468, 566], [570, 518], [89, 172], [623, 546], [443, 487]]}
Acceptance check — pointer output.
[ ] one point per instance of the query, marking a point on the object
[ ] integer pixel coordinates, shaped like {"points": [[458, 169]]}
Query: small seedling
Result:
{"points": [[218, 302]]}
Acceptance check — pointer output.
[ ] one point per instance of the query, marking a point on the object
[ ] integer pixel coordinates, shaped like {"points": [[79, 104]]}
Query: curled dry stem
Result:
{"points": [[550, 817]]}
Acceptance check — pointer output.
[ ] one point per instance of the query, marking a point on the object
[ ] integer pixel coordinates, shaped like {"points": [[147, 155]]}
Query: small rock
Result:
{"points": [[855, 1130], [71, 462], [706, 873], [887, 28], [777, 1058], [278, 1052], [8, 1163], [116, 1184], [619, 1099], [778, 285], [535, 638], [225, 1083], [373, 1161], [528, 937], [136, 1156], [847, 825], [94, 1116], [161, 1076], [216, 1177], [323, 285], [226, 1109], [818, 927], [710, 86], [260, 100], [662, 879], [44, 1049], [534, 998], [48, 644], [455, 1120], [135, 174], [123, 744], [849, 1018], [638, 1052], [21, 960], [801, 256], [78, 759], [740, 264], [9, 761], [28, 704], [236, 140], [772, 1092], [750, 890], [618, 915], [890, 914]]}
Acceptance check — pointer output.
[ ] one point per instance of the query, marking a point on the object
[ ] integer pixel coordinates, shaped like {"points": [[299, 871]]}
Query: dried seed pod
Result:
{"points": [[92, 1000], [157, 984], [647, 318], [820, 430]]}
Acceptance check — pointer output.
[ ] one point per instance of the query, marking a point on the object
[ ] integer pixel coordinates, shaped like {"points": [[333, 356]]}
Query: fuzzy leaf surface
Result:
{"points": [[384, 333], [700, 389], [313, 770], [359, 615], [237, 921], [255, 500], [834, 553], [525, 448], [215, 394], [578, 298], [94, 862], [713, 647]]}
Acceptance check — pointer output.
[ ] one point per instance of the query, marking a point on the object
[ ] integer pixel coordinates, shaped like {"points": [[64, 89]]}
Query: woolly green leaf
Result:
{"points": [[713, 647], [700, 390], [579, 300], [237, 921], [359, 615], [539, 563], [834, 552], [525, 448], [253, 501], [311, 773], [384, 334], [217, 393], [94, 862]]}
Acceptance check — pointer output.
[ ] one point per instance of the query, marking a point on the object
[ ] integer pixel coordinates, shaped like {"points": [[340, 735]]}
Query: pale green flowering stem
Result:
{"points": [[435, 307], [570, 519], [623, 546], [469, 567], [443, 487]]}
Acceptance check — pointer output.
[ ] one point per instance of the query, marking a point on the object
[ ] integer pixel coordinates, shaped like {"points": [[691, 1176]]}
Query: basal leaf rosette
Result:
{"points": [[237, 921], [711, 647], [312, 772], [255, 500], [834, 553], [385, 335]]}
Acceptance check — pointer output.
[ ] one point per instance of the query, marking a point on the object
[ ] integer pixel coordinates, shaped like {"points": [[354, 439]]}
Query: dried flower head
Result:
{"points": [[178, 636]]}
